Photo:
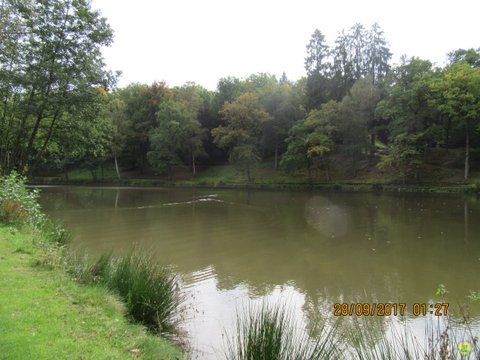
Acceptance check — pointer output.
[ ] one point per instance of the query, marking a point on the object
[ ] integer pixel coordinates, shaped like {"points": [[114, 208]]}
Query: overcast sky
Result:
{"points": [[203, 40]]}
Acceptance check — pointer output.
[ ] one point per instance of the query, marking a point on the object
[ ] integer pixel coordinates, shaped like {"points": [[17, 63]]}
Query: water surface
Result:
{"points": [[312, 249]]}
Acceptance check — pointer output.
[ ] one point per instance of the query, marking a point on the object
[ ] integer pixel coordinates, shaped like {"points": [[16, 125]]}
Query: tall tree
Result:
{"points": [[357, 114], [312, 140], [58, 57], [284, 109], [317, 67], [406, 106], [243, 119], [458, 98], [377, 54], [471, 56], [177, 138], [342, 67], [142, 102], [357, 42]]}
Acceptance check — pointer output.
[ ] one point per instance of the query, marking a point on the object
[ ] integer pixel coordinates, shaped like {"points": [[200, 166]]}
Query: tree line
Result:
{"points": [[60, 108]]}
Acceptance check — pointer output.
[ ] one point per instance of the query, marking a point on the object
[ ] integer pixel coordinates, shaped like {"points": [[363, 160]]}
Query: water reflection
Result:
{"points": [[314, 249]]}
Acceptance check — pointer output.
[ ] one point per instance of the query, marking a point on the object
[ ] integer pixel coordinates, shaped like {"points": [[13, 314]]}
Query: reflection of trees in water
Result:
{"points": [[392, 247]]}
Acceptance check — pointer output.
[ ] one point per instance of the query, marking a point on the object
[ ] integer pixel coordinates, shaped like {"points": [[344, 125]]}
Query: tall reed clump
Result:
{"points": [[270, 332], [150, 291]]}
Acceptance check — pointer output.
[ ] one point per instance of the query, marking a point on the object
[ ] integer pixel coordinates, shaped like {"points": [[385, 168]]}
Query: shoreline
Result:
{"points": [[447, 188]]}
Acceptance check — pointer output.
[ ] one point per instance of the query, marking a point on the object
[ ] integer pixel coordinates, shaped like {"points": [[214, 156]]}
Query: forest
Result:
{"points": [[60, 108]]}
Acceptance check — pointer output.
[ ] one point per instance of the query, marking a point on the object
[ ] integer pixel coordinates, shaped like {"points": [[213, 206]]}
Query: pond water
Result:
{"points": [[311, 250]]}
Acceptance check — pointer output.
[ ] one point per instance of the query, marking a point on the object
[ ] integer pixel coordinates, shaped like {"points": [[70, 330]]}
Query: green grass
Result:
{"points": [[86, 175], [44, 314]]}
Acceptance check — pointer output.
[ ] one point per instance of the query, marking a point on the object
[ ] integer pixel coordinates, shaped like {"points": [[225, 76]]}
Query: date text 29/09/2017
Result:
{"points": [[389, 309]]}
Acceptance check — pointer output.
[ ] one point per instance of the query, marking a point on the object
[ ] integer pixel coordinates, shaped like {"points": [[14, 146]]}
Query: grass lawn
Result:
{"points": [[44, 314]]}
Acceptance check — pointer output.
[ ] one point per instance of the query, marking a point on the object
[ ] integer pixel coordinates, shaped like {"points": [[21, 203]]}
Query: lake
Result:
{"points": [[311, 250]]}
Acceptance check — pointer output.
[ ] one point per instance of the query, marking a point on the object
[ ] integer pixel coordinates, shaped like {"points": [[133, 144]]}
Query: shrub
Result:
{"points": [[12, 212], [18, 205]]}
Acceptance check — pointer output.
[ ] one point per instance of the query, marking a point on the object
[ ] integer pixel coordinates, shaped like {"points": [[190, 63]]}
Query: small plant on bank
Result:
{"points": [[56, 233]]}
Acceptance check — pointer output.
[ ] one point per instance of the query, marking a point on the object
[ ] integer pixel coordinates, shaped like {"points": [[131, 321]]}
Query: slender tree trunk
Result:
{"points": [[465, 218], [47, 140], [467, 153], [447, 132], [194, 170], [33, 135], [276, 156], [116, 164], [101, 169], [116, 198], [248, 173], [21, 132]]}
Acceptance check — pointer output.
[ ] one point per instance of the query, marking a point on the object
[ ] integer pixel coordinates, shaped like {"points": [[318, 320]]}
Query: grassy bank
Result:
{"points": [[44, 314], [226, 176]]}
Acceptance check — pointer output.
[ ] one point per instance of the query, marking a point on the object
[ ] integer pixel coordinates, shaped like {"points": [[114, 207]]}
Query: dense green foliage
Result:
{"points": [[59, 109]]}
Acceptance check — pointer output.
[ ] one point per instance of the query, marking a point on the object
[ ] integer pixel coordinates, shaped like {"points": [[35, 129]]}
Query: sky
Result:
{"points": [[203, 40]]}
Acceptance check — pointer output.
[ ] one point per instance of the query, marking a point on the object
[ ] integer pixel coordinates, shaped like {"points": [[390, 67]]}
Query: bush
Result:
{"points": [[18, 205], [12, 212]]}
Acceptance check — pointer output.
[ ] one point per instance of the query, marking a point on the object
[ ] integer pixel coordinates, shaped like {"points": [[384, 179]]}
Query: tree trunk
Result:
{"points": [[33, 135], [116, 198], [21, 133], [47, 140], [194, 170], [116, 164], [248, 173], [465, 214], [467, 153], [101, 169], [276, 156]]}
